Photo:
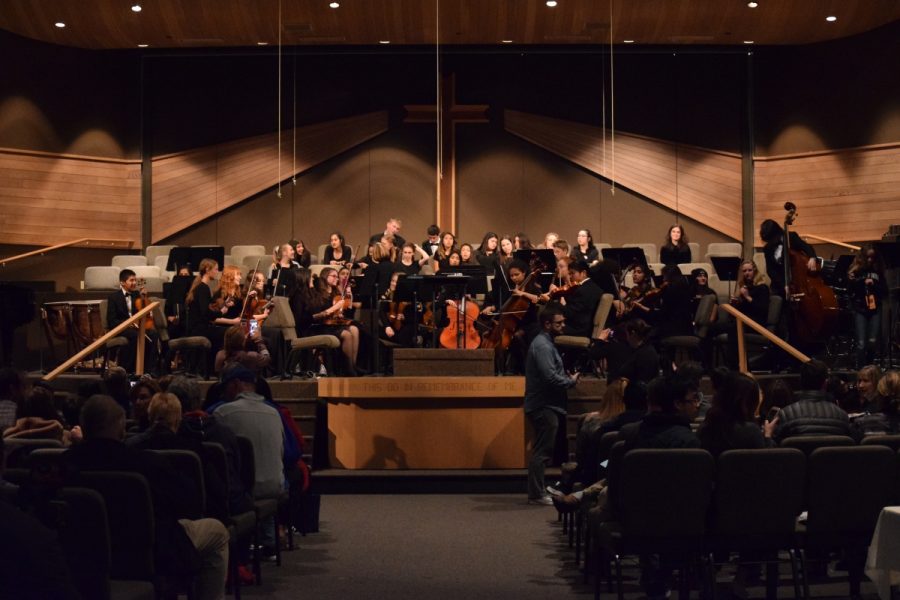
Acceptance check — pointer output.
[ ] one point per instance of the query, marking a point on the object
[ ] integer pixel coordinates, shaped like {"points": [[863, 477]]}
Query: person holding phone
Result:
{"points": [[237, 349]]}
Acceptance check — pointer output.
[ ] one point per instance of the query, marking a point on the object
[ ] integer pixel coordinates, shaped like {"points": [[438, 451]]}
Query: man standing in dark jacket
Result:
{"points": [[813, 411], [546, 382]]}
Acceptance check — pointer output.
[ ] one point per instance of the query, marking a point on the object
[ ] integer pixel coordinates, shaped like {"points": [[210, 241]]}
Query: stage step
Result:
{"points": [[424, 481]]}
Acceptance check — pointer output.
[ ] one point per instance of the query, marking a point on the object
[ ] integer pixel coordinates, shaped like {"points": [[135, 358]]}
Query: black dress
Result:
{"points": [[346, 254], [675, 255]]}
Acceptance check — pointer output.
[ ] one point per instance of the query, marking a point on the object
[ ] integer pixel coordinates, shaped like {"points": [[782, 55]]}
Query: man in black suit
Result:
{"points": [[582, 304], [433, 242], [391, 228], [121, 305]]}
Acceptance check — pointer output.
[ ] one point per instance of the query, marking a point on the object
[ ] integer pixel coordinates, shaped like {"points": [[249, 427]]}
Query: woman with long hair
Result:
{"points": [[204, 316], [235, 350], [302, 255], [730, 422], [505, 253], [675, 250], [584, 248], [487, 252], [448, 245], [325, 307], [522, 241], [868, 292], [467, 255], [408, 265], [337, 253]]}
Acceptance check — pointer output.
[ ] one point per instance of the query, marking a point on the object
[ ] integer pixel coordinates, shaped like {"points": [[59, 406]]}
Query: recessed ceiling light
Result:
{"points": [[60, 24], [506, 41], [628, 41], [136, 8], [384, 41], [831, 19], [748, 41], [262, 43], [142, 45], [551, 3], [753, 4], [334, 5]]}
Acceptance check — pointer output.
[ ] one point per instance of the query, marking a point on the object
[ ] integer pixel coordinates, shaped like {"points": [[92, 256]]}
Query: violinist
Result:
{"points": [[324, 306], [584, 247], [561, 285], [675, 250], [581, 305], [228, 301], [396, 318], [868, 292], [203, 316], [338, 253], [121, 306], [256, 306], [773, 236], [560, 249], [549, 240], [633, 297]]}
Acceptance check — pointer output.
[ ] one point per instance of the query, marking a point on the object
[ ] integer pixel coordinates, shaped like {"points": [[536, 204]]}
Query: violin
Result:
{"points": [[345, 300], [460, 332], [141, 302], [564, 291]]}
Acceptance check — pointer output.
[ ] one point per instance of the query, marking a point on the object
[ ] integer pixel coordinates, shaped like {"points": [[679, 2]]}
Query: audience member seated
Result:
{"points": [[200, 426], [182, 544], [881, 417], [813, 411], [13, 388], [37, 418], [140, 397], [730, 423], [867, 385], [236, 351], [633, 358], [246, 413], [163, 434]]}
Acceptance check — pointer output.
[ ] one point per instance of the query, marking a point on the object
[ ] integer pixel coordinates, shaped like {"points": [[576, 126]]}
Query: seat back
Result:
{"points": [[154, 252], [666, 493], [722, 249], [101, 278], [131, 523], [759, 493], [238, 253], [848, 487], [124, 261], [808, 443], [686, 268], [774, 315], [248, 464], [281, 317], [17, 450], [250, 262], [601, 314], [320, 251], [188, 464], [891, 441], [84, 537], [695, 251], [147, 272]]}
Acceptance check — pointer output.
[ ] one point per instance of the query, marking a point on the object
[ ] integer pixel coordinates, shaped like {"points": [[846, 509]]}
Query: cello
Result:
{"points": [[813, 304], [460, 331], [511, 314]]}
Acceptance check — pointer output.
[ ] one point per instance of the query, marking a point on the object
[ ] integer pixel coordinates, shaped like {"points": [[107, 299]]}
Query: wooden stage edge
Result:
{"points": [[458, 422]]}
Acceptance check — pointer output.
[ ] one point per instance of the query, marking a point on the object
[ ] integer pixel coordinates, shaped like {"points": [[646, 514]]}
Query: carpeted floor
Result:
{"points": [[435, 547]]}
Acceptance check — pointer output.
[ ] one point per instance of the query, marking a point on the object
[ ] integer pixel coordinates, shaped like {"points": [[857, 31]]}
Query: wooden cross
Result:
{"points": [[451, 114]]}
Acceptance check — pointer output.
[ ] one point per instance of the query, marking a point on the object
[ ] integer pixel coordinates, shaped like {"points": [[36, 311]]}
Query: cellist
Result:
{"points": [[522, 295]]}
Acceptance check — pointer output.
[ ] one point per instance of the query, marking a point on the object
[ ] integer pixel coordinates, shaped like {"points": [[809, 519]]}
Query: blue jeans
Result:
{"points": [[868, 336], [544, 422]]}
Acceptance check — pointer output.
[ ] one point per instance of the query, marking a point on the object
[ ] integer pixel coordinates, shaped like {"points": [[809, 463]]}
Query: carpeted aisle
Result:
{"points": [[427, 546]]}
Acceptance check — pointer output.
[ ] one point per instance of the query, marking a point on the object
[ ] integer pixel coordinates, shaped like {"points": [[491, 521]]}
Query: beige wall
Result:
{"points": [[65, 266]]}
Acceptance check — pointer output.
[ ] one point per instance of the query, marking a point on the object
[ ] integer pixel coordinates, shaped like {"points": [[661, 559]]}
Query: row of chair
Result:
{"points": [[128, 520], [687, 502]]}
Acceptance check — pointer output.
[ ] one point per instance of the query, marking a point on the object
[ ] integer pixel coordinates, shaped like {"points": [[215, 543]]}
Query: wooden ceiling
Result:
{"points": [[107, 24]]}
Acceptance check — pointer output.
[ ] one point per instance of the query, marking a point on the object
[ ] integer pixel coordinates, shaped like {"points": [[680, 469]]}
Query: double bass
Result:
{"points": [[813, 304]]}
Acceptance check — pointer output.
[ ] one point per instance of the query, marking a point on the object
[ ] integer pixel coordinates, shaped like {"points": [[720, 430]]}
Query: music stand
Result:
{"points": [[544, 257], [890, 253], [839, 275], [179, 257], [477, 283], [727, 268], [627, 257], [216, 253]]}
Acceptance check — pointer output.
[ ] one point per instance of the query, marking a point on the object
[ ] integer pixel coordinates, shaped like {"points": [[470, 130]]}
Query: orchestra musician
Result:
{"points": [[488, 251], [467, 255], [448, 245], [549, 239], [773, 236], [752, 299], [324, 308], [391, 229], [505, 254], [699, 287], [634, 304], [522, 241], [302, 255], [396, 318], [868, 292], [204, 318], [584, 247], [433, 241], [337, 253], [516, 284], [560, 249], [580, 306], [675, 250], [408, 264], [121, 306], [283, 281]]}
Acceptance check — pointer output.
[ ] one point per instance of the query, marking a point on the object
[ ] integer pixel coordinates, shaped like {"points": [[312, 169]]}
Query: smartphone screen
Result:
{"points": [[254, 326]]}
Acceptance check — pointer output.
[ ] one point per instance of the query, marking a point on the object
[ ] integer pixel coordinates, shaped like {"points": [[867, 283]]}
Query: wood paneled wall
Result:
{"points": [[50, 198], [847, 195], [702, 184], [194, 185]]}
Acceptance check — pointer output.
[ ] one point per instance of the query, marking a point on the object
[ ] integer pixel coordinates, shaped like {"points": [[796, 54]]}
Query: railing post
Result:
{"points": [[140, 348], [742, 349]]}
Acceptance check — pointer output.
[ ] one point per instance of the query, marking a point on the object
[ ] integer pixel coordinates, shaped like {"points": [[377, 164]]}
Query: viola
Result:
{"points": [[397, 314], [141, 302], [813, 303], [460, 332], [345, 299]]}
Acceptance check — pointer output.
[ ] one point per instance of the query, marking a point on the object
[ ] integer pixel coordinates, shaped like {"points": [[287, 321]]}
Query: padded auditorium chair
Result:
{"points": [[573, 343]]}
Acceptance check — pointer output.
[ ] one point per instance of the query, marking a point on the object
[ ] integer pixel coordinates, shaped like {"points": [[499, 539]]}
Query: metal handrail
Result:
{"points": [[45, 250], [742, 348], [137, 317]]}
